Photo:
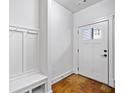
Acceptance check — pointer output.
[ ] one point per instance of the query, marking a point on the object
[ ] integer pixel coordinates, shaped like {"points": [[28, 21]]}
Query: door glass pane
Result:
{"points": [[87, 34], [97, 34]]}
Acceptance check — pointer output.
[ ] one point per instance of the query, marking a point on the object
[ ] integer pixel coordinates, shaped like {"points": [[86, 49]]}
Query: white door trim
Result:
{"points": [[110, 45]]}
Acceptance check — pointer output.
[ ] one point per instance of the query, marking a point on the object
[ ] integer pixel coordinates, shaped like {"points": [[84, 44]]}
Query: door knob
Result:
{"points": [[105, 55]]}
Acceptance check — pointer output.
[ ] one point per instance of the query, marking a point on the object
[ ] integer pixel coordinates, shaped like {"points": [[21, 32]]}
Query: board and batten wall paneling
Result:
{"points": [[15, 53], [23, 56], [23, 49], [30, 52]]}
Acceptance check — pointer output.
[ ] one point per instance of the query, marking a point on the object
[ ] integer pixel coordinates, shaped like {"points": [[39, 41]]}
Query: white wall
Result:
{"points": [[101, 9], [24, 13], [88, 15], [61, 40]]}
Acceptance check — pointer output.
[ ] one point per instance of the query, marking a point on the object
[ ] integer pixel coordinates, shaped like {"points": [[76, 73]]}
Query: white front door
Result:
{"points": [[93, 51]]}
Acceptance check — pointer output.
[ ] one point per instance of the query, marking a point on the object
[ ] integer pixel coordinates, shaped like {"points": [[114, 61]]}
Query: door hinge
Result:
{"points": [[78, 50], [78, 68], [78, 32], [114, 82], [113, 16]]}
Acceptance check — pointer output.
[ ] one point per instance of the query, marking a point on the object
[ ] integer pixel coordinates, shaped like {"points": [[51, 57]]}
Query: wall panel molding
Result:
{"points": [[23, 29], [23, 44]]}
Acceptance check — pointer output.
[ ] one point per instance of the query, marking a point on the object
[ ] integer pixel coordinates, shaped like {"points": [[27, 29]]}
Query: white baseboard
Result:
{"points": [[62, 76], [112, 83], [50, 91]]}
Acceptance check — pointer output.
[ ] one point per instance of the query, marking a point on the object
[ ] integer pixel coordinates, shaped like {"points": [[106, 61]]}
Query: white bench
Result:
{"points": [[36, 83]]}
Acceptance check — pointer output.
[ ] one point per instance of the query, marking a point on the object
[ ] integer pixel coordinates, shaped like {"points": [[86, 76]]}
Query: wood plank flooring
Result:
{"points": [[79, 84]]}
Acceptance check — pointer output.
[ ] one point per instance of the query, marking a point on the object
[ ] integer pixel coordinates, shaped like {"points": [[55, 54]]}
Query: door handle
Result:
{"points": [[105, 55]]}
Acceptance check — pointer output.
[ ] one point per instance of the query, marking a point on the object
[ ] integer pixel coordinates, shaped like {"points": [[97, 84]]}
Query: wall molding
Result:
{"points": [[62, 76], [50, 91], [24, 74], [23, 29]]}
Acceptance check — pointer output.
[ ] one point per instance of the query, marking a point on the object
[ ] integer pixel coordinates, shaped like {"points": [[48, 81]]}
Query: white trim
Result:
{"points": [[50, 91], [24, 74], [23, 29], [111, 51], [97, 20], [62, 76]]}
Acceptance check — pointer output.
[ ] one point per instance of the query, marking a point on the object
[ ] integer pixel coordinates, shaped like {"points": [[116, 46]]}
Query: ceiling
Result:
{"points": [[76, 5]]}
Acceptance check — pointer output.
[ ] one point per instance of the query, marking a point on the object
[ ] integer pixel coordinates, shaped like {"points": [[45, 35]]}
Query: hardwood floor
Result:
{"points": [[79, 84]]}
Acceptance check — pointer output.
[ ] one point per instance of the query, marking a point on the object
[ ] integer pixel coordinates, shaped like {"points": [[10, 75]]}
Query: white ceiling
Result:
{"points": [[76, 5]]}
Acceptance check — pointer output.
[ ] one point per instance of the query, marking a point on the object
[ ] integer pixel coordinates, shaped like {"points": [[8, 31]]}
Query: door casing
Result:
{"points": [[111, 47]]}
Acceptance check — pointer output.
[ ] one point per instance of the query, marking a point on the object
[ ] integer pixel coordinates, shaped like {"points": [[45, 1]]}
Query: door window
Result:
{"points": [[87, 34]]}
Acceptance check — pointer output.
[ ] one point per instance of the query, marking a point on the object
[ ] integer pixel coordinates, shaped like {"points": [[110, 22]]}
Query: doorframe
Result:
{"points": [[111, 48]]}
